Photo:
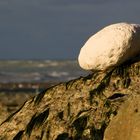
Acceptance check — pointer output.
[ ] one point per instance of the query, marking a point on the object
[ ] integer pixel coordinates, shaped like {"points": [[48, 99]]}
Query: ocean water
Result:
{"points": [[39, 71]]}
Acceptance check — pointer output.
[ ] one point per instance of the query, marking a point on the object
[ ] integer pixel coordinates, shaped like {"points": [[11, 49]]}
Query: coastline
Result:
{"points": [[14, 87]]}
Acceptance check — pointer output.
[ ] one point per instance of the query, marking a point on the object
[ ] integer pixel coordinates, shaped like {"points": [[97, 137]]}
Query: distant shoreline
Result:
{"points": [[13, 87]]}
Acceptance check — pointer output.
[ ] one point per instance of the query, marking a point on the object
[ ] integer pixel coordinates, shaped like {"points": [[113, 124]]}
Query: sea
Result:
{"points": [[38, 71]]}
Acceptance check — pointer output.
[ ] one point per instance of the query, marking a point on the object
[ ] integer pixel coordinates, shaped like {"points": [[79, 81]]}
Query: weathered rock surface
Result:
{"points": [[111, 46], [126, 125], [3, 112], [80, 109], [10, 102]]}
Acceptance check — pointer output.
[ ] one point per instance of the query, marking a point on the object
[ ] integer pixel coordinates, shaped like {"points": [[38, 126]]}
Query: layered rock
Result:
{"points": [[80, 109], [111, 46]]}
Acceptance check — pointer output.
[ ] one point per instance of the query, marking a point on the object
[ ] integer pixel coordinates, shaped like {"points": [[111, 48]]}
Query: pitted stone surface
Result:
{"points": [[110, 47]]}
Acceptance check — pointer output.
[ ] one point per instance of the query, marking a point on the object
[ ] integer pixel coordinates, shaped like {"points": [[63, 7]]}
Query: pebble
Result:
{"points": [[110, 47]]}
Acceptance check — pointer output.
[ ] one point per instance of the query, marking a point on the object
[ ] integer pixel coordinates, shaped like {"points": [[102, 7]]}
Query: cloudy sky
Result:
{"points": [[57, 29]]}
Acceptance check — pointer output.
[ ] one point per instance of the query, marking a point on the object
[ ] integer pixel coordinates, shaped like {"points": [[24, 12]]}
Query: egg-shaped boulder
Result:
{"points": [[111, 46]]}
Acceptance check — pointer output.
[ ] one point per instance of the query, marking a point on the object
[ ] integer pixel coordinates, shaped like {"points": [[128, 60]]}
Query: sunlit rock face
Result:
{"points": [[111, 46]]}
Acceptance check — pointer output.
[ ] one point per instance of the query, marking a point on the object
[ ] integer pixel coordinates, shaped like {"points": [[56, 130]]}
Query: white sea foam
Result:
{"points": [[58, 74], [39, 71], [40, 65]]}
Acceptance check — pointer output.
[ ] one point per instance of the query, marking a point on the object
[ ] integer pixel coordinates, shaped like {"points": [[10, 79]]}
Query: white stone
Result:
{"points": [[111, 46]]}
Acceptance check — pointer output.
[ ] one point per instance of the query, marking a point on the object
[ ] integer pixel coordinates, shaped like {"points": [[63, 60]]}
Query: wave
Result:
{"points": [[39, 71], [58, 74]]}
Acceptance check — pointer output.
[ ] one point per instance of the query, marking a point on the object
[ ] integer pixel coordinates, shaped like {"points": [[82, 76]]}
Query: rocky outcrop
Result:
{"points": [[81, 109]]}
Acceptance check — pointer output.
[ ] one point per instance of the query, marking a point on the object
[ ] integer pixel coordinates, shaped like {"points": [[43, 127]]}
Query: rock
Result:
{"points": [[126, 125], [10, 102], [3, 112], [111, 46], [80, 109]]}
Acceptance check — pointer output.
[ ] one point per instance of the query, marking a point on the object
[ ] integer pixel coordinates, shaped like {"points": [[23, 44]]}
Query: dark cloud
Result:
{"points": [[51, 29]]}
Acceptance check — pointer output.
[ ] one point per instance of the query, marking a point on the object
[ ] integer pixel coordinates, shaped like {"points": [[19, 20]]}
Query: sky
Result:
{"points": [[57, 29]]}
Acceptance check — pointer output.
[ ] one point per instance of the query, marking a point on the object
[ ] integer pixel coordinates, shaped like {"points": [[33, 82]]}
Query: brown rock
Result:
{"points": [[3, 112], [80, 109], [10, 102], [126, 125]]}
